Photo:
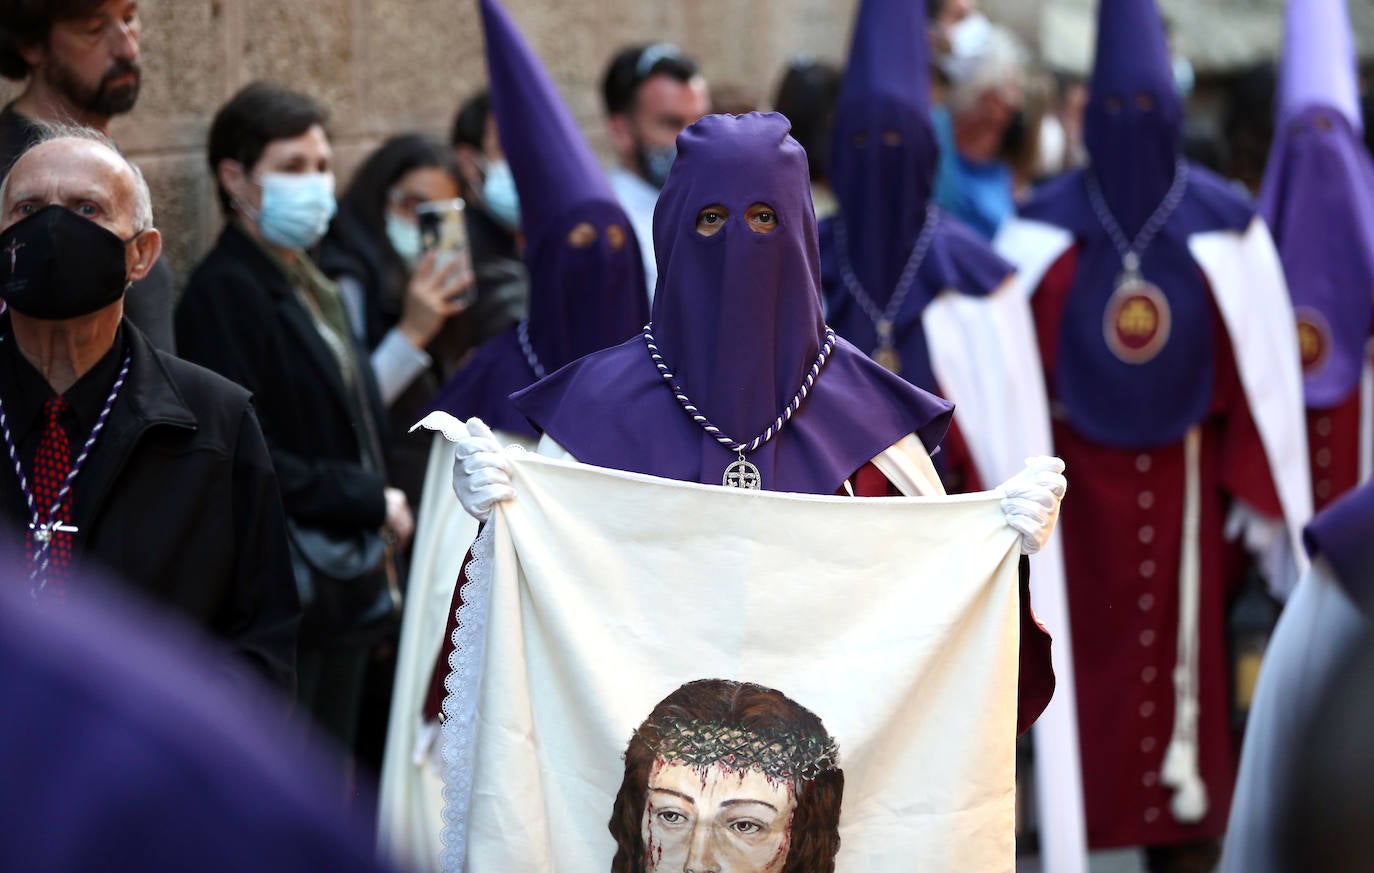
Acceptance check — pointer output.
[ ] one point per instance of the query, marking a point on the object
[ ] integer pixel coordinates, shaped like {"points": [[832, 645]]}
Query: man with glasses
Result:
{"points": [[79, 62]]}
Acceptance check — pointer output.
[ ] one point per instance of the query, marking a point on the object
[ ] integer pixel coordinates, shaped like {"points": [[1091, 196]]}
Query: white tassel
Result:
{"points": [[1190, 801], [1180, 769]]}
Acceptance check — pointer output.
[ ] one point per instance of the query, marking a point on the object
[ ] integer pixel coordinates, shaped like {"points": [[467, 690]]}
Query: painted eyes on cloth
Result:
{"points": [[890, 138], [1144, 101], [759, 217], [584, 234], [743, 826]]}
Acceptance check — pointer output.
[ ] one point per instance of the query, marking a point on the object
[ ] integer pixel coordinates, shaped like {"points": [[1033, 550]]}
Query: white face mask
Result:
{"points": [[404, 236]]}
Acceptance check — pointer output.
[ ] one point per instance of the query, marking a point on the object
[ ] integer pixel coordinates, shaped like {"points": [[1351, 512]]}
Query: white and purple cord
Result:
{"points": [[522, 333], [41, 554], [734, 445]]}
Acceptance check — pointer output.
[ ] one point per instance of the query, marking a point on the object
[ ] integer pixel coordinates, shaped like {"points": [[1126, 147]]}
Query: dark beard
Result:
{"points": [[105, 99]]}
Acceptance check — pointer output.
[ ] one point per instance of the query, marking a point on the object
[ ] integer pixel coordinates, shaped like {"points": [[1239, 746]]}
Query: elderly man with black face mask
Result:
{"points": [[117, 455]]}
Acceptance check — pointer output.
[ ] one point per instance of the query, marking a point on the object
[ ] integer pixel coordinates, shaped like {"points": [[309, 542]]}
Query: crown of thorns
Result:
{"points": [[778, 754]]}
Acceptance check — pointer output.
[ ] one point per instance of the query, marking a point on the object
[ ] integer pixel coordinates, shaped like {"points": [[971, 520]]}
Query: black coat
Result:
{"points": [[242, 318], [178, 500]]}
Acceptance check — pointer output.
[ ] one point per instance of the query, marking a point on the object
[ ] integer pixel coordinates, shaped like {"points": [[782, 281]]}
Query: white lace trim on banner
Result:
{"points": [[460, 701]]}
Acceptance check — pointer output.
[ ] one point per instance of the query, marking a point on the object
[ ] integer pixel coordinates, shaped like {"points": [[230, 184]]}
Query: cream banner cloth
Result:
{"points": [[596, 594]]}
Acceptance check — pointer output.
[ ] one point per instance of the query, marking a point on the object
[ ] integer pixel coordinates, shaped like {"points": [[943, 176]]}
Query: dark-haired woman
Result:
{"points": [[259, 311], [407, 307]]}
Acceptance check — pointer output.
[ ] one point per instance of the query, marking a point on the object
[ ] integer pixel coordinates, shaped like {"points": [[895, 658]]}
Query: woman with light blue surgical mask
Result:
{"points": [[499, 194], [410, 308], [258, 311]]}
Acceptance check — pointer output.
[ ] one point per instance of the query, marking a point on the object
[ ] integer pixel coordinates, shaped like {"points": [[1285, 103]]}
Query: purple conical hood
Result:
{"points": [[586, 288], [1133, 125], [1318, 198], [534, 122], [586, 277], [884, 154], [1318, 67]]}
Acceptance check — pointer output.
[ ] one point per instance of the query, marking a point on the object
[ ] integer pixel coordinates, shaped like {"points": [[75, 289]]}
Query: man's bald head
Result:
{"points": [[81, 170]]}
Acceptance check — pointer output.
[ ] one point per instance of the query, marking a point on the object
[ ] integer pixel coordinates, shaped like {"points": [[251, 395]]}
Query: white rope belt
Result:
{"points": [[1180, 770]]}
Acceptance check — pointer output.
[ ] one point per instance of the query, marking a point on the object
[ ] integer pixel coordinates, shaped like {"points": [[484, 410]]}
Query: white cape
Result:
{"points": [[410, 805], [1248, 284], [594, 594], [985, 357]]}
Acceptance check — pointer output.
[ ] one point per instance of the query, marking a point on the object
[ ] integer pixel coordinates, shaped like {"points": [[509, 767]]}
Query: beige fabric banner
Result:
{"points": [[597, 594]]}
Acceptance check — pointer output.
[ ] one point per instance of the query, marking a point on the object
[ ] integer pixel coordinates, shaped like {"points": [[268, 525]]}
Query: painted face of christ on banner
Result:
{"points": [[731, 777]]}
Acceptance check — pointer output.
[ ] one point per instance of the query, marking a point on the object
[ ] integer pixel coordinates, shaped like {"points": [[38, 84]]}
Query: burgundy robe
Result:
{"points": [[1123, 532]]}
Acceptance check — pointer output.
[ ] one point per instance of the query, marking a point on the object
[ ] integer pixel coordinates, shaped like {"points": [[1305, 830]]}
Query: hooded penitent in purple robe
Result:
{"points": [[1318, 198], [1133, 128], [586, 276], [884, 158], [1152, 403], [737, 319]]}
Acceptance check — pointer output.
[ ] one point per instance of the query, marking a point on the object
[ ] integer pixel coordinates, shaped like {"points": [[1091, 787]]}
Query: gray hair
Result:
{"points": [[997, 62], [53, 131]]}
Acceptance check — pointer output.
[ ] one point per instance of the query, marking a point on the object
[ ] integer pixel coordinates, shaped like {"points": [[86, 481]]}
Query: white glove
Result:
{"points": [[481, 472], [1267, 540], [1030, 501]]}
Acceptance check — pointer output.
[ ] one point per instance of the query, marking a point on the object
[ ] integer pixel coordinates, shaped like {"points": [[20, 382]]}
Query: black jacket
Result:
{"points": [[178, 500], [240, 317]]}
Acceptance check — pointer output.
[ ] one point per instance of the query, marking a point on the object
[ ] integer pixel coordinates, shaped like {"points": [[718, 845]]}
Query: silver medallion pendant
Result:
{"points": [[742, 474]]}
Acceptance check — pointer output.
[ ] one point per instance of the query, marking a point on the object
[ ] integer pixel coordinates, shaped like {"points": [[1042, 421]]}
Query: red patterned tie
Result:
{"points": [[51, 465]]}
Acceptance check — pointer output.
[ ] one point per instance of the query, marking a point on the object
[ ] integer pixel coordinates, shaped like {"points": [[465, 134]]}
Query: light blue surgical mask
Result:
{"points": [[404, 237], [499, 194], [655, 163], [296, 208]]}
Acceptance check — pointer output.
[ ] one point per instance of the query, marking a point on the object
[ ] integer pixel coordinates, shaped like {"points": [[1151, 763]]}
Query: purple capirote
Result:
{"points": [[737, 318], [884, 157], [586, 277], [1134, 125], [1318, 197]]}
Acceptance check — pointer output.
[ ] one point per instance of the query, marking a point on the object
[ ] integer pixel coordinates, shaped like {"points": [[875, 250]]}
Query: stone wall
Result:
{"points": [[387, 66]]}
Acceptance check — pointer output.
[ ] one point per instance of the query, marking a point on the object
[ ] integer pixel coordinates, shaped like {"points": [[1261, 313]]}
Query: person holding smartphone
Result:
{"points": [[406, 280]]}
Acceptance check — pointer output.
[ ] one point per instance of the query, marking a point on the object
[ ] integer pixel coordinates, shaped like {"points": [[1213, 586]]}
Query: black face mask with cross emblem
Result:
{"points": [[55, 264]]}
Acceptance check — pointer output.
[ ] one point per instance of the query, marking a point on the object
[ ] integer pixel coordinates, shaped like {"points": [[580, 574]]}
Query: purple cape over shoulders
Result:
{"points": [[612, 409], [1342, 535], [1124, 403], [483, 387]]}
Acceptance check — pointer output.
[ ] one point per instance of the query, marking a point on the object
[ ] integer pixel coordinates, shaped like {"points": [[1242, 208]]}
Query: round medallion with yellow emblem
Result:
{"points": [[1314, 339], [1137, 321]]}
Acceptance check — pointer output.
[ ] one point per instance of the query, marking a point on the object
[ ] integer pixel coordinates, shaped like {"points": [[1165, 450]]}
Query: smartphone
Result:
{"points": [[443, 229]]}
